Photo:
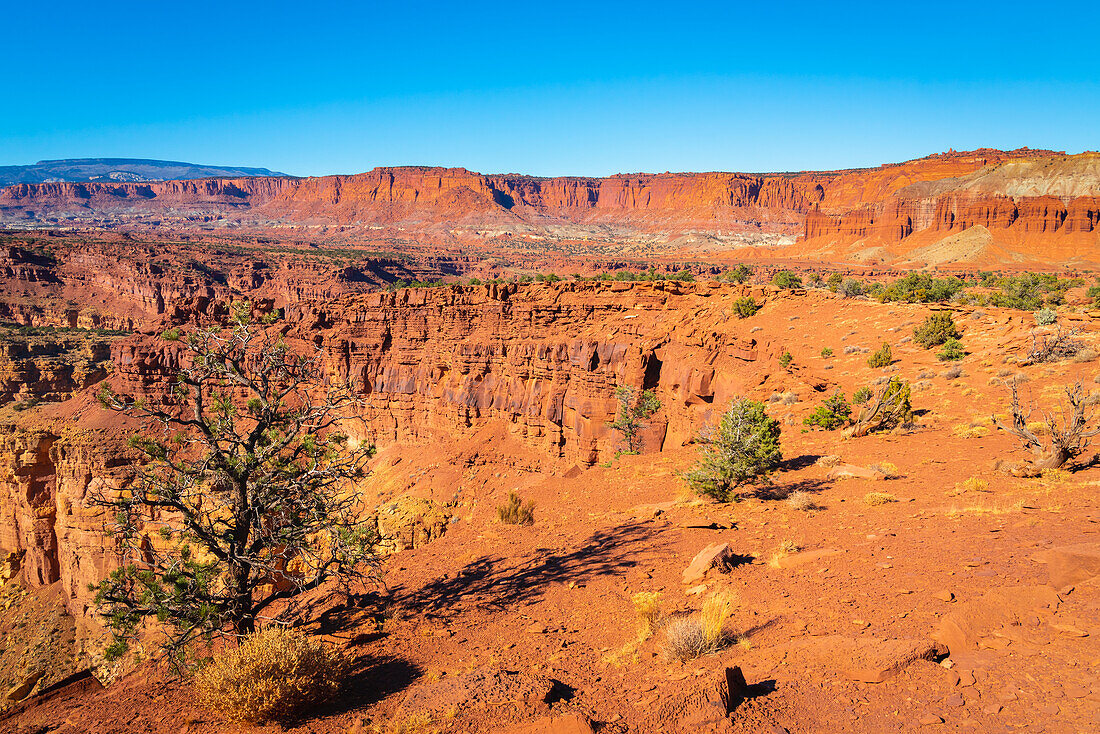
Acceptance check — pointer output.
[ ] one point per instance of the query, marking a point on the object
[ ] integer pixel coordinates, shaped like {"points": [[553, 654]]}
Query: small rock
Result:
{"points": [[954, 700], [716, 555], [930, 719], [945, 595]]}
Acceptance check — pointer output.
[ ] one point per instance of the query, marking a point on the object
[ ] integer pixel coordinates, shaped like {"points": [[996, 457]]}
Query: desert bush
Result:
{"points": [[785, 359], [787, 280], [887, 469], [647, 612], [921, 288], [273, 675], [834, 281], [744, 447], [517, 512], [1062, 344], [952, 351], [851, 288], [952, 373], [831, 414], [738, 275], [745, 307], [882, 358], [1030, 291], [826, 352], [1045, 316], [861, 396], [936, 329], [1085, 355], [801, 500], [973, 484], [1094, 294], [889, 409], [685, 640], [874, 499]]}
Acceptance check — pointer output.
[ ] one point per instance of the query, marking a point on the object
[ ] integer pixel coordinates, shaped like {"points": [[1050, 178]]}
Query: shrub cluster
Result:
{"points": [[517, 512], [831, 414], [787, 280], [745, 307], [936, 329], [882, 358]]}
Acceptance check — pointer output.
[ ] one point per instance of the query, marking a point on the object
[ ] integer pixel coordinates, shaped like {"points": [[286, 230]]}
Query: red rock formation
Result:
{"points": [[434, 367]]}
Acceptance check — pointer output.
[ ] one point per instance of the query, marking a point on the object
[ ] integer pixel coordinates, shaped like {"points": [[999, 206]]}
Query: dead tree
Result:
{"points": [[1068, 432], [890, 408], [1062, 344]]}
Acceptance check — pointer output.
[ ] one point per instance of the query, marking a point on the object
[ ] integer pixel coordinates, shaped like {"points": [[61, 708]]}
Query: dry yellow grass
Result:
{"points": [[973, 484], [716, 610], [647, 612], [874, 499], [271, 676], [1003, 507]]}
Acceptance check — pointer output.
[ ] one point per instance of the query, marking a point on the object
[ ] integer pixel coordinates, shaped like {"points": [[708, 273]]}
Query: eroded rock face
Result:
{"points": [[431, 366]]}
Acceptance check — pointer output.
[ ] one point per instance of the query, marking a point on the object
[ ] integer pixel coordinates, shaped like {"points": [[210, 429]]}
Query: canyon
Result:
{"points": [[1024, 206], [965, 598]]}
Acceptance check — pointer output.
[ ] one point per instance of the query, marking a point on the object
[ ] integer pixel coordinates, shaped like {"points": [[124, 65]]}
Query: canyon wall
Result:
{"points": [[434, 368], [1026, 198]]}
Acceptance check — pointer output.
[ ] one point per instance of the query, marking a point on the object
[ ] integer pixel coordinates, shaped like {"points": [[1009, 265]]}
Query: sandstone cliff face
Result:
{"points": [[433, 367], [1025, 197]]}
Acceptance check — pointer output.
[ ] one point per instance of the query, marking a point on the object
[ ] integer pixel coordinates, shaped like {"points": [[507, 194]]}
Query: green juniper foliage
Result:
{"points": [[245, 499], [745, 307], [936, 329], [634, 409], [882, 358], [744, 447], [831, 414]]}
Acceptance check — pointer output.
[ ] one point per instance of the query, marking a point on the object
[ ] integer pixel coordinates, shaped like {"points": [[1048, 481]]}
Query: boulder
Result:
{"points": [[716, 555]]}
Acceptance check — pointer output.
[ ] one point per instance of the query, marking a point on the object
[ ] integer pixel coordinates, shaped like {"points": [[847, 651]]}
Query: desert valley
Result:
{"points": [[549, 371]]}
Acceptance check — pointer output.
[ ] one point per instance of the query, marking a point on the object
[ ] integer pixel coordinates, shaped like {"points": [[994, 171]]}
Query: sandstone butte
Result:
{"points": [[969, 603], [978, 207]]}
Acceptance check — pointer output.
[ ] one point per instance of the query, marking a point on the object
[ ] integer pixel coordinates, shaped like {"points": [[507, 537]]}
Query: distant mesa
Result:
{"points": [[86, 170]]}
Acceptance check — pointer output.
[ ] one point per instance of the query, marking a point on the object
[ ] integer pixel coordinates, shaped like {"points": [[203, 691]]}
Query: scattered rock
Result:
{"points": [[1072, 564], [716, 555], [801, 559], [21, 690], [851, 471], [963, 629]]}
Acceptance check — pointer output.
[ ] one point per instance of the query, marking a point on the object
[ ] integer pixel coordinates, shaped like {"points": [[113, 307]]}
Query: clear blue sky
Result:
{"points": [[545, 88]]}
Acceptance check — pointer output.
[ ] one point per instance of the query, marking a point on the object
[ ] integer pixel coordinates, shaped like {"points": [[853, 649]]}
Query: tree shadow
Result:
{"points": [[501, 582], [371, 680], [783, 491], [799, 462]]}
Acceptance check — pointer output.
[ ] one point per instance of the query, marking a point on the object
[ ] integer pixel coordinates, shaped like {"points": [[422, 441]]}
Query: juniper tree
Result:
{"points": [[744, 447], [634, 409], [246, 497]]}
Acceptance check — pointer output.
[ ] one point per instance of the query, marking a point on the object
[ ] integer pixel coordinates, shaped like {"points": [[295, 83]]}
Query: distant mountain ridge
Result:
{"points": [[81, 170]]}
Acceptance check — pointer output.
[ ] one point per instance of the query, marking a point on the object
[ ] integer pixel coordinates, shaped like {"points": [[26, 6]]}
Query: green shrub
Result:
{"points": [[744, 447], [831, 414], [1030, 291], [274, 675], [851, 288], [786, 279], [861, 396], [833, 281], [936, 329], [1094, 294], [1045, 316], [920, 288], [745, 307], [826, 352], [785, 359], [882, 358], [738, 275], [952, 351], [516, 511]]}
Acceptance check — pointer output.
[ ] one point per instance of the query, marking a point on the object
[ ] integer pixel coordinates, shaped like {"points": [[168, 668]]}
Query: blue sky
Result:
{"points": [[545, 88]]}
